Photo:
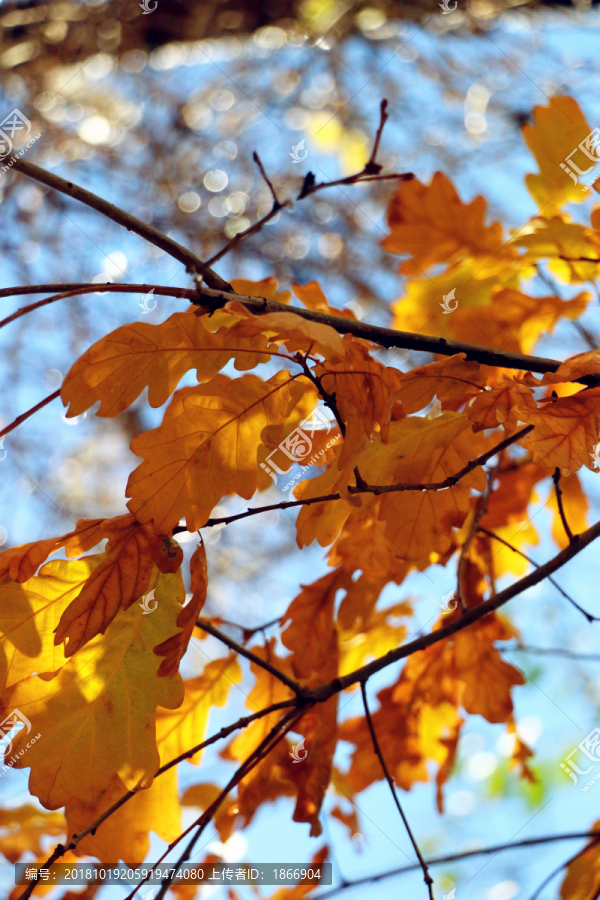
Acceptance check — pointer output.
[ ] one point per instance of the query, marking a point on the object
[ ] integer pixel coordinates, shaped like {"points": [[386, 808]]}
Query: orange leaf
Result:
{"points": [[290, 329], [582, 881], [565, 431], [117, 368], [311, 629], [115, 584], [433, 225], [206, 447], [452, 380], [313, 298], [498, 405]]}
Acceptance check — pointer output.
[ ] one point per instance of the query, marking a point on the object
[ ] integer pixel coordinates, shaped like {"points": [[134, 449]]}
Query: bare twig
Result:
{"points": [[177, 251], [496, 537], [74, 291], [30, 412], [554, 651], [456, 857], [563, 518], [207, 626], [426, 876], [277, 733], [373, 167], [258, 162]]}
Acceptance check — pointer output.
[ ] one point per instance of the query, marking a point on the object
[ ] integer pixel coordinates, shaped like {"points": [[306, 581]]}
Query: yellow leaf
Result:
{"points": [[96, 714], [551, 238], [117, 368], [557, 130], [433, 225], [206, 447], [565, 431], [313, 298], [181, 728], [125, 835], [29, 614]]}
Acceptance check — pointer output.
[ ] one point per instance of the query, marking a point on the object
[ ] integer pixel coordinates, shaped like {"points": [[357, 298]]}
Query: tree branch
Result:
{"points": [[131, 223], [563, 518], [426, 876], [389, 337], [61, 849], [466, 854], [75, 290], [473, 614], [496, 537], [30, 412], [205, 625]]}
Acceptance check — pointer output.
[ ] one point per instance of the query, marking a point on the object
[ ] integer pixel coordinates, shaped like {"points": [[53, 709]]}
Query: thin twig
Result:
{"points": [[554, 651], [95, 289], [496, 537], [207, 626], [258, 162], [277, 733], [30, 412], [373, 167], [177, 251], [456, 857], [247, 631], [556, 480], [426, 876], [364, 488]]}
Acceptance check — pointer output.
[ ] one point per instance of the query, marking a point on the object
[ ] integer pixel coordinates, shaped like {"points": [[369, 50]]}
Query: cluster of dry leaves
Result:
{"points": [[100, 681]]}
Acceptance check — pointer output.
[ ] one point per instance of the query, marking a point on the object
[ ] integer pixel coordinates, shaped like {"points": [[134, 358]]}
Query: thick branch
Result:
{"points": [[389, 337], [497, 537], [426, 876], [177, 251], [473, 614]]}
